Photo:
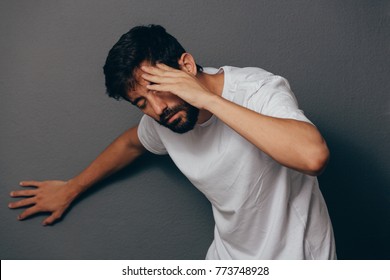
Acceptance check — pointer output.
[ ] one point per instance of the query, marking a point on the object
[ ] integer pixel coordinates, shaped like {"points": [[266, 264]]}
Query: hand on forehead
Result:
{"points": [[138, 74]]}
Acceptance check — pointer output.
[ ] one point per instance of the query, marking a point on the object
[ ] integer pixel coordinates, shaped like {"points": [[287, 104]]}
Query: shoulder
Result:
{"points": [[240, 73], [237, 75], [247, 72]]}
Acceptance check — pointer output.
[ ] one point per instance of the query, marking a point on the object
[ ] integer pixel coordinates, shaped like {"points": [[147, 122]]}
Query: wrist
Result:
{"points": [[75, 187], [211, 103]]}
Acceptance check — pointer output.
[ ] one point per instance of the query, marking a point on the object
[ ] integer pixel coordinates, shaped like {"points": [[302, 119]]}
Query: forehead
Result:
{"points": [[140, 85]]}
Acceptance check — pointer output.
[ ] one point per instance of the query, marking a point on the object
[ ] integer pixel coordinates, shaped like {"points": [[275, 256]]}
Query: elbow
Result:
{"points": [[318, 160]]}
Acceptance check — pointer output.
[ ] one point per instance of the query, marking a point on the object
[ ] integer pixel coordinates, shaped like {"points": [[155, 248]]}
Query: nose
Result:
{"points": [[157, 102]]}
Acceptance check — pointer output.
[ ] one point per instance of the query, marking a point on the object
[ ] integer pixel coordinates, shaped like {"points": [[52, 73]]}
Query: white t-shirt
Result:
{"points": [[262, 210]]}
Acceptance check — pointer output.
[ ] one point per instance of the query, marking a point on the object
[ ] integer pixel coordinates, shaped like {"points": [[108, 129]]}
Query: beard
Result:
{"points": [[181, 124]]}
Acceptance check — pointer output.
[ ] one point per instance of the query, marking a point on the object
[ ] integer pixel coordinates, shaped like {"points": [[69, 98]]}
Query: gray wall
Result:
{"points": [[55, 118]]}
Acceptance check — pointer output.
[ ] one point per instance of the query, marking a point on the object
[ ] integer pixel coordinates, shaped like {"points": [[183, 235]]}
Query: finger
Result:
{"points": [[52, 218], [28, 212], [162, 87], [23, 193], [156, 79], [161, 70], [153, 70], [165, 67], [22, 203], [30, 183]]}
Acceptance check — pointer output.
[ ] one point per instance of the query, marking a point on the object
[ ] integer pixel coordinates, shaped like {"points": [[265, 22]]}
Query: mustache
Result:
{"points": [[169, 112]]}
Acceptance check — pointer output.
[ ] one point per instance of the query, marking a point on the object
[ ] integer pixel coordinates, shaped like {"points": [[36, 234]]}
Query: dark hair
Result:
{"points": [[142, 43]]}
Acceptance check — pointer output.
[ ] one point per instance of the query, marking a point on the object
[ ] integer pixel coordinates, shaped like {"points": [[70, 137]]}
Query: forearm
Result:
{"points": [[292, 143], [55, 196], [117, 155]]}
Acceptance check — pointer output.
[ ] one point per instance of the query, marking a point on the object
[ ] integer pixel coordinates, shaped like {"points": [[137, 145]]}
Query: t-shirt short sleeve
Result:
{"points": [[149, 137], [274, 98]]}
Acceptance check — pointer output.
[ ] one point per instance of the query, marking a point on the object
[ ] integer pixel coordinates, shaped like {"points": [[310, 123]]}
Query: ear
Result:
{"points": [[187, 63]]}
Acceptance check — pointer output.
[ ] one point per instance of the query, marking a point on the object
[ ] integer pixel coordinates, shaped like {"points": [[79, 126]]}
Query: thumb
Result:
{"points": [[52, 218]]}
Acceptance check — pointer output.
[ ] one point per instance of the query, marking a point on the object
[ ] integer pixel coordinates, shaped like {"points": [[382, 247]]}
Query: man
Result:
{"points": [[236, 133]]}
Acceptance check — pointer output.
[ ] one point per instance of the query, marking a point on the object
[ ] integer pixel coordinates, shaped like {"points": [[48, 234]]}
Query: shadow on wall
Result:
{"points": [[355, 187], [142, 164]]}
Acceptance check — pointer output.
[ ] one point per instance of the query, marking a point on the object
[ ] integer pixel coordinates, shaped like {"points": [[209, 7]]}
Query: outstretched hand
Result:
{"points": [[47, 196], [185, 85]]}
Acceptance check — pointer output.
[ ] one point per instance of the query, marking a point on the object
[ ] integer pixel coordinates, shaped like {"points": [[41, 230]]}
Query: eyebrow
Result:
{"points": [[128, 98], [135, 101]]}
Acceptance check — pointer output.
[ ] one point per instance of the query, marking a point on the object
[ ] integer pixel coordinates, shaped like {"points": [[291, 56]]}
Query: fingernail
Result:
{"points": [[11, 193], [21, 183], [9, 205]]}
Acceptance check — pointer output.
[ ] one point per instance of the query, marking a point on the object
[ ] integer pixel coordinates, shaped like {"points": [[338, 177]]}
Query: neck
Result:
{"points": [[214, 83]]}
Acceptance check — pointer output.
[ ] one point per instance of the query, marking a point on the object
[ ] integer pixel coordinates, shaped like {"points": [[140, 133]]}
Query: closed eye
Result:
{"points": [[140, 102]]}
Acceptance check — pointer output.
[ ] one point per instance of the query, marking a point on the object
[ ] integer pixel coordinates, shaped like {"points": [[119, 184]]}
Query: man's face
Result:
{"points": [[166, 108], [180, 118]]}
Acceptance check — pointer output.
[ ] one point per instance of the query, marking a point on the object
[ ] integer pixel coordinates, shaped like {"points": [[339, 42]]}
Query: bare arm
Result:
{"points": [[295, 144], [117, 155], [292, 143], [56, 196]]}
